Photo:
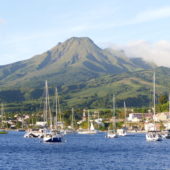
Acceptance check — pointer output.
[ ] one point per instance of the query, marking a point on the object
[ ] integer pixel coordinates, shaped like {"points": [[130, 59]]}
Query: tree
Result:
{"points": [[163, 99]]}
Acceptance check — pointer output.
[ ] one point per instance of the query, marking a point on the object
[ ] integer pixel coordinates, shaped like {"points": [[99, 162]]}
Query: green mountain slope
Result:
{"points": [[86, 76], [135, 88]]}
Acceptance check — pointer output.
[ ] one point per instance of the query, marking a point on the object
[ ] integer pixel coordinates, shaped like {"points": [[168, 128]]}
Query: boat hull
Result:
{"points": [[168, 136], [87, 132], [153, 137], [53, 139], [111, 136]]}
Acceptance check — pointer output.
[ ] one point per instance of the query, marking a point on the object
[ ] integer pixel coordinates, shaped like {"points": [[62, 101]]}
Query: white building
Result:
{"points": [[135, 117], [163, 116], [41, 124], [149, 127]]}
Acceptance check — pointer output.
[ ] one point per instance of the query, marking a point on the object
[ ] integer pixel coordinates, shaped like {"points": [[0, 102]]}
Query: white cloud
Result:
{"points": [[141, 17], [158, 52], [154, 14]]}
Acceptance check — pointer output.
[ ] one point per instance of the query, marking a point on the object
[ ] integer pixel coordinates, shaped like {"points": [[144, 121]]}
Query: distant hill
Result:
{"points": [[136, 88]]}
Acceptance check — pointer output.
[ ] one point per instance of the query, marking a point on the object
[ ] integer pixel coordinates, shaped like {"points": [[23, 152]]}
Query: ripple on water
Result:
{"points": [[81, 152]]}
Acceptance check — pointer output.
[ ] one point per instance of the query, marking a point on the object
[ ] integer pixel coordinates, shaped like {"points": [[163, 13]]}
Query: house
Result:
{"points": [[135, 117], [84, 118], [26, 117], [148, 116], [151, 126], [41, 124], [164, 116], [167, 125]]}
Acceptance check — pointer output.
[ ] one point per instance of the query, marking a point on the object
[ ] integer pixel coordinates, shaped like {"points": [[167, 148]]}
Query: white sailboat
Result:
{"points": [[2, 131], [90, 127], [22, 126], [166, 133], [72, 119], [53, 134], [123, 131], [153, 135], [112, 133], [39, 133], [34, 133], [71, 128]]}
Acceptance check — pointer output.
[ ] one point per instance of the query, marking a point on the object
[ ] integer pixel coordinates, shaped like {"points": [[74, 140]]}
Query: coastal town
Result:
{"points": [[85, 85], [136, 122]]}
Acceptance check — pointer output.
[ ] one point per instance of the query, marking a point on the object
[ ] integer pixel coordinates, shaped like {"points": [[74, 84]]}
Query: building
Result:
{"points": [[151, 126], [42, 124], [135, 117], [163, 116]]}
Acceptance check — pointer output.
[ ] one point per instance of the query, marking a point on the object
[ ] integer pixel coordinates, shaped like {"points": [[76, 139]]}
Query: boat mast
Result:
{"points": [[88, 121], [169, 106], [45, 104], [56, 111], [22, 123], [114, 115], [47, 109], [72, 118], [125, 112], [154, 110], [2, 114], [59, 109], [98, 119], [154, 93]]}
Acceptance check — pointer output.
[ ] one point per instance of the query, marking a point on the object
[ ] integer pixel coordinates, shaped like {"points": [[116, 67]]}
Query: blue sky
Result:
{"points": [[31, 27]]}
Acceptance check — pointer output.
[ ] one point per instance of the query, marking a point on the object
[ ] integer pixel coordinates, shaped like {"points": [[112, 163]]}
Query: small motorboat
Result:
{"points": [[153, 136], [122, 132], [111, 134]]}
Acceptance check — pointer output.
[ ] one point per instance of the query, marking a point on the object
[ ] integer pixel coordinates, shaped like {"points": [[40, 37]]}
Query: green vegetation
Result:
{"points": [[86, 77], [3, 132], [134, 88]]}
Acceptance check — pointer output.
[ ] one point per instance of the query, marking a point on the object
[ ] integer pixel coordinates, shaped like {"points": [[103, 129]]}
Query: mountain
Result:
{"points": [[86, 76], [73, 61]]}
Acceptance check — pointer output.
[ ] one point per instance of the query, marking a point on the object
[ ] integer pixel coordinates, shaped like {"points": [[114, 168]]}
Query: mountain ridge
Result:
{"points": [[76, 59], [85, 74]]}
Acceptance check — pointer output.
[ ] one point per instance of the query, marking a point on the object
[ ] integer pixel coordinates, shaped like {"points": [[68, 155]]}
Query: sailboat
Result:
{"points": [[167, 135], [2, 131], [90, 127], [71, 128], [39, 133], [153, 135], [123, 131], [112, 133], [53, 134], [22, 126]]}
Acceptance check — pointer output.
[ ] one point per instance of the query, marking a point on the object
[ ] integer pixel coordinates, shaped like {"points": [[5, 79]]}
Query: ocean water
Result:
{"points": [[83, 152]]}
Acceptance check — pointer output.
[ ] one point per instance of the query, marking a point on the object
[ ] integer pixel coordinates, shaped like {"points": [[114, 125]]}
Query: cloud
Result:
{"points": [[154, 14], [158, 52], [141, 17]]}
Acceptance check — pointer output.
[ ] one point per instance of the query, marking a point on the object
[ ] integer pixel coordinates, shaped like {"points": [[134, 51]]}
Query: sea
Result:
{"points": [[83, 152]]}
